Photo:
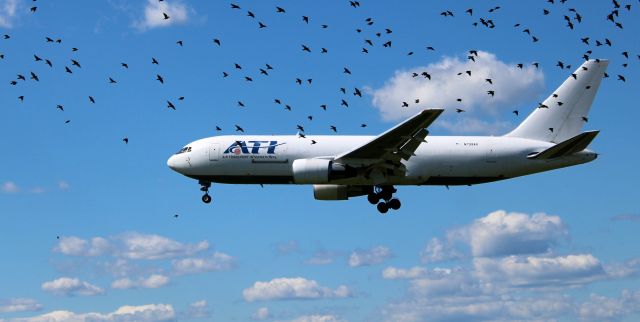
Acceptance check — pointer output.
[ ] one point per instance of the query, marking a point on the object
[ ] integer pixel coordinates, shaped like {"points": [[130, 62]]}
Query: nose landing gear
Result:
{"points": [[205, 185], [386, 194]]}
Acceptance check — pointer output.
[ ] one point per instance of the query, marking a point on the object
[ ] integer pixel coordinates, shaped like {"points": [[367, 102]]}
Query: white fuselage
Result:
{"points": [[441, 160]]}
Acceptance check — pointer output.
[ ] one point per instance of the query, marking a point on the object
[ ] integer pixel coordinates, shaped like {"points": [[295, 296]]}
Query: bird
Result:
{"points": [[92, 100], [302, 136], [237, 66], [300, 127], [492, 93], [60, 107], [356, 92], [35, 77], [313, 142], [515, 112], [459, 110], [170, 105], [488, 80], [125, 65], [306, 48], [280, 10], [305, 19], [240, 104], [112, 81], [159, 78], [176, 216], [277, 101], [75, 63], [344, 103], [261, 25], [235, 6], [37, 58], [346, 71], [333, 128], [179, 42], [48, 62], [405, 104], [620, 77], [239, 129], [363, 125], [33, 9], [165, 16], [125, 140], [218, 128], [21, 98], [154, 61], [216, 41]]}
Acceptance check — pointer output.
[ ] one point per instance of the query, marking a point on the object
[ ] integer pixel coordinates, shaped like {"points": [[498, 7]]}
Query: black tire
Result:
{"points": [[383, 207], [206, 198], [386, 195], [373, 198], [394, 204]]}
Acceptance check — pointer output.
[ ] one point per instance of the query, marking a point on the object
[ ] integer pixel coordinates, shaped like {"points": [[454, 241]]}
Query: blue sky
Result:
{"points": [[274, 253]]}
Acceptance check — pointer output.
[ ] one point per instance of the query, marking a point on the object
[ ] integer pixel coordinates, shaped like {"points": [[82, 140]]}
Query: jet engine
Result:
{"points": [[338, 192], [308, 171]]}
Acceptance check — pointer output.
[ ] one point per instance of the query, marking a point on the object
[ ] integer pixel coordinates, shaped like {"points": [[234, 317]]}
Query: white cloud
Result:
{"points": [[8, 10], [512, 86], [66, 286], [75, 246], [261, 314], [154, 14], [375, 255], [541, 271], [217, 262], [153, 281], [292, 288], [322, 257], [142, 313], [10, 187], [602, 308], [286, 248], [437, 251], [19, 305], [197, 310], [393, 273], [129, 245], [318, 318], [63, 185]]}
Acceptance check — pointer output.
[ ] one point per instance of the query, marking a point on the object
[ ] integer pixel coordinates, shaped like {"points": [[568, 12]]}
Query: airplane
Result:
{"points": [[340, 167]]}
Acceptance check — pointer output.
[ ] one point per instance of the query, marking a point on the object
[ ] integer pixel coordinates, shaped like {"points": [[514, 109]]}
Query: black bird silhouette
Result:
{"points": [[261, 25], [216, 41], [280, 10], [218, 128], [112, 81], [469, 11], [75, 63], [299, 127], [405, 104], [346, 71], [620, 77], [92, 100], [237, 66], [160, 79], [324, 106], [239, 129], [354, 4], [21, 98], [125, 140], [277, 101], [488, 80], [298, 81], [263, 72], [125, 65], [225, 74], [21, 77], [179, 42], [306, 48], [35, 77], [154, 61], [165, 16], [37, 58], [459, 110], [515, 112], [492, 93], [323, 50], [170, 105], [344, 103], [333, 128], [60, 107], [305, 19], [240, 104], [235, 6], [302, 136], [48, 62], [33, 9], [287, 107], [248, 79], [356, 92], [313, 142]]}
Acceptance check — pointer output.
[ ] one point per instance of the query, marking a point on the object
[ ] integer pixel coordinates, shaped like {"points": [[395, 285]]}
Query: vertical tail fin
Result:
{"points": [[562, 115]]}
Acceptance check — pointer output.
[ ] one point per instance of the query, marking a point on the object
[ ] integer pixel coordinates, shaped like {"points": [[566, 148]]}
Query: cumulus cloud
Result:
{"points": [[141, 313], [541, 271], [511, 85], [500, 233], [367, 257], [261, 314], [153, 281], [8, 11], [393, 273], [154, 14], [19, 305], [318, 318], [10, 187], [216, 262], [602, 308], [197, 310], [130, 246], [66, 286], [292, 288]]}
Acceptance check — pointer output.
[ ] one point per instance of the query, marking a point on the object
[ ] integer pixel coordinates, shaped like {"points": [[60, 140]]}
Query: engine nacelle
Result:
{"points": [[338, 192], [306, 171]]}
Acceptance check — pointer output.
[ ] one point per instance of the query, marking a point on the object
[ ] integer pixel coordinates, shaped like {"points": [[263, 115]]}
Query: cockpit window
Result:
{"points": [[185, 149]]}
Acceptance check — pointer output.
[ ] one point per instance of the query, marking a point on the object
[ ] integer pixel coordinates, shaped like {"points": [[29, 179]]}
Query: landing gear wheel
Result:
{"points": [[206, 198], [383, 207], [373, 198], [394, 204]]}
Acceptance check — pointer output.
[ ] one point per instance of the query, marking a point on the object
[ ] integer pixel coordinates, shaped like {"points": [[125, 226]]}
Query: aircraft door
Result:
{"points": [[214, 152]]}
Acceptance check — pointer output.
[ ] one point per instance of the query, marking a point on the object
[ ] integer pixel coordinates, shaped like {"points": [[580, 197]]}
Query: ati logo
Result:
{"points": [[254, 147]]}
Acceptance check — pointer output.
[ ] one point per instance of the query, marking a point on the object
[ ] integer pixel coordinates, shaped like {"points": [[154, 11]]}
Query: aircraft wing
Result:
{"points": [[398, 143]]}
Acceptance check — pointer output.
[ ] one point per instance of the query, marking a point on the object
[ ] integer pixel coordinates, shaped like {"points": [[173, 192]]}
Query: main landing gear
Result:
{"points": [[386, 194], [206, 198]]}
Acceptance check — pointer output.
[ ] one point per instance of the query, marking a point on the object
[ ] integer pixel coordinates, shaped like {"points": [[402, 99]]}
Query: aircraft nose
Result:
{"points": [[172, 163]]}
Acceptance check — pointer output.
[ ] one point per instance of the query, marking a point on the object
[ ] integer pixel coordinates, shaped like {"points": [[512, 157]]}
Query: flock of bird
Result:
{"points": [[371, 39]]}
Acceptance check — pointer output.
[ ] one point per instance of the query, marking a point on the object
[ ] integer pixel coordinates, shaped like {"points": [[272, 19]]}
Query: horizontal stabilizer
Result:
{"points": [[570, 146]]}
